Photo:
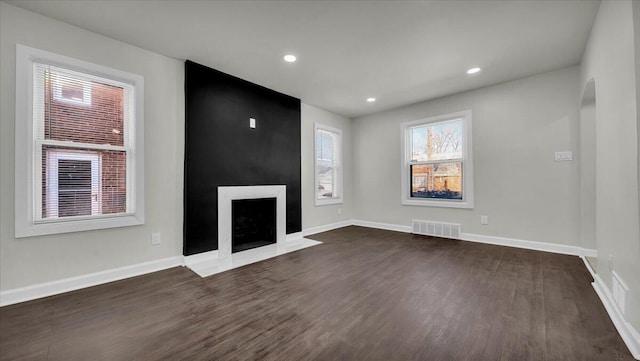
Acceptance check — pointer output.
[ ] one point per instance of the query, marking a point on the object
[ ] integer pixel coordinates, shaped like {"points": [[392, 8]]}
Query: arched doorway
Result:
{"points": [[587, 164]]}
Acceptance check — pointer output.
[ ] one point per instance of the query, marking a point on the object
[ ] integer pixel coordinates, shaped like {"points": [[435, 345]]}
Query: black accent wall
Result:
{"points": [[221, 149]]}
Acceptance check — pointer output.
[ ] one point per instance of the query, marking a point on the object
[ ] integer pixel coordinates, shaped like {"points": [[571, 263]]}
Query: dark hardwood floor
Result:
{"points": [[364, 294]]}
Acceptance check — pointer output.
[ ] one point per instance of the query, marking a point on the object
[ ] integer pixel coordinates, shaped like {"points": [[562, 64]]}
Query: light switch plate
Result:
{"points": [[252, 123], [155, 238]]}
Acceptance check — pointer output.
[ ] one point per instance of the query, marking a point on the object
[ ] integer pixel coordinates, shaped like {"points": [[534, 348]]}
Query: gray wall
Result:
{"points": [[312, 215], [636, 29], [587, 162], [27, 261], [610, 60], [517, 127], [34, 260]]}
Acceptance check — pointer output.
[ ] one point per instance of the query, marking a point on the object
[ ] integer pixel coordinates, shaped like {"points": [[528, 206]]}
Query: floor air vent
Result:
{"points": [[436, 229]]}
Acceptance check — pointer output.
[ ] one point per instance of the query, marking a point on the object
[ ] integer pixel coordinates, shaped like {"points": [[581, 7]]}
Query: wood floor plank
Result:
{"points": [[364, 294]]}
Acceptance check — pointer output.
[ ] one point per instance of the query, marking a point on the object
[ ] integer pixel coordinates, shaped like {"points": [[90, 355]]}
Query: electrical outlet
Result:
{"points": [[564, 156], [610, 262], [339, 210], [155, 238], [484, 220]]}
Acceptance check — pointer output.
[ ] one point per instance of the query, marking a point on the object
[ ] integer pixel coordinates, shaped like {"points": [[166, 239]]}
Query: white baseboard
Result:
{"points": [[41, 290], [629, 335], [502, 241], [200, 257], [326, 227], [533, 245], [385, 226], [589, 267], [586, 252]]}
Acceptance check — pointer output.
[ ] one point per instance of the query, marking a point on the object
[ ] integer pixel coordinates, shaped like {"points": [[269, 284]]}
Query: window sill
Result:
{"points": [[47, 228], [435, 203], [324, 202]]}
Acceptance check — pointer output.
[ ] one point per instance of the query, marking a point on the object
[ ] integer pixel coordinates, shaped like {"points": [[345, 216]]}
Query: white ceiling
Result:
{"points": [[400, 52]]}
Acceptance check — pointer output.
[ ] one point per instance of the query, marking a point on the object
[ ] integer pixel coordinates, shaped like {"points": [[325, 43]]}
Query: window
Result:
{"points": [[328, 155], [79, 156], [437, 167]]}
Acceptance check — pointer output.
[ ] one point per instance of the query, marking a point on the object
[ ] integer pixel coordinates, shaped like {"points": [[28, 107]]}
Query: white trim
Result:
{"points": [[533, 245], [326, 227], [41, 290], [519, 243], [467, 162], [501, 241], [629, 335], [586, 252], [193, 259], [385, 226], [589, 267], [293, 236], [80, 145], [337, 159]]}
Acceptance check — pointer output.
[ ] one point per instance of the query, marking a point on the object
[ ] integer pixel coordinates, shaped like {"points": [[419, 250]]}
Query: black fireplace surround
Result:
{"points": [[221, 149]]}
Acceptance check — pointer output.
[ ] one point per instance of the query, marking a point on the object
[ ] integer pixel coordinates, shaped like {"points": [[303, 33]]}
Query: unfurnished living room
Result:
{"points": [[320, 180]]}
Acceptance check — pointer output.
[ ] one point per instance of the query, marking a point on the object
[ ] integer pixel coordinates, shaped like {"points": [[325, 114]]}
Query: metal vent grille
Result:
{"points": [[436, 229]]}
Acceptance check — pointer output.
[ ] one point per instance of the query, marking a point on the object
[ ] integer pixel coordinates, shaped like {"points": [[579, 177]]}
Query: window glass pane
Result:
{"points": [[326, 182], [74, 187], [81, 109], [437, 141], [439, 180], [325, 144], [113, 182], [77, 182], [325, 163]]}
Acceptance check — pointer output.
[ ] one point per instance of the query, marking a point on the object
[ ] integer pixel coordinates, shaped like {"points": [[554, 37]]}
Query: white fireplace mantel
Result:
{"points": [[228, 194]]}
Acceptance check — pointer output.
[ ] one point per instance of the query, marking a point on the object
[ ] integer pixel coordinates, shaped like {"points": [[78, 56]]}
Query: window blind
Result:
{"points": [[326, 143], [82, 142]]}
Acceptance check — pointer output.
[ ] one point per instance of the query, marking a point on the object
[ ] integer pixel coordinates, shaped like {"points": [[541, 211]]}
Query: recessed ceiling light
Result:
{"points": [[371, 100], [289, 58], [473, 70]]}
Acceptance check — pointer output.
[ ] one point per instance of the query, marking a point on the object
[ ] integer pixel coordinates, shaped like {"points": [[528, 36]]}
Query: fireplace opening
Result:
{"points": [[253, 223]]}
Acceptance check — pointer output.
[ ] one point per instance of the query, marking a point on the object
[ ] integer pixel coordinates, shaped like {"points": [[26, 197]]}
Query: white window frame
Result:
{"points": [[28, 154], [337, 193], [467, 163]]}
